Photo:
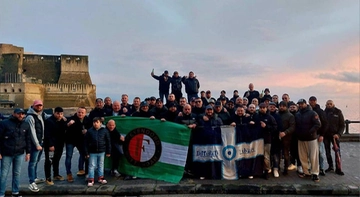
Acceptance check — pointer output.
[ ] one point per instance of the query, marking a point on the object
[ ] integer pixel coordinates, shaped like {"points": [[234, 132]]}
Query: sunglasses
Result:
{"points": [[197, 101]]}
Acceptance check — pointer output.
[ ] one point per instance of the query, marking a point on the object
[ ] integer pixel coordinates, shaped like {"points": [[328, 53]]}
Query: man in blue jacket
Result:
{"points": [[192, 85], [164, 84], [14, 141]]}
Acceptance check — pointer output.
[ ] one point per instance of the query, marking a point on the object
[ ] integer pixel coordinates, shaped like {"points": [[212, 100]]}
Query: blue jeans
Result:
{"points": [[322, 155], [5, 168], [69, 154], [35, 156], [96, 160]]}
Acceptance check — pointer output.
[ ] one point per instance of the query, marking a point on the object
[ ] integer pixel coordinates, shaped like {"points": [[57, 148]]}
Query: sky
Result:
{"points": [[302, 48]]}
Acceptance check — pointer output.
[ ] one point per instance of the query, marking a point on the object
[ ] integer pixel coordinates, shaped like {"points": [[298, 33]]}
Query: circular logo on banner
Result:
{"points": [[229, 152], [142, 147]]}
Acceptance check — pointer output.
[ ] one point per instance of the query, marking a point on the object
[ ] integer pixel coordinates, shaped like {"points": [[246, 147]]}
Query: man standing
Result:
{"points": [[251, 93], [164, 84], [307, 124], [192, 85], [36, 118], [321, 132], [54, 139], [176, 86], [14, 141], [335, 129]]}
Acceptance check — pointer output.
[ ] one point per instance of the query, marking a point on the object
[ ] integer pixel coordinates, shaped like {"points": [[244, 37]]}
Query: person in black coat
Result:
{"points": [[54, 139], [164, 84], [117, 141]]}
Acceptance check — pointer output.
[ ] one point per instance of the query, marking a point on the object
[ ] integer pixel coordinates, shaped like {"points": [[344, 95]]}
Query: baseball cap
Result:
{"points": [[144, 103], [236, 91], [37, 102], [312, 98], [262, 105], [158, 100], [267, 89], [212, 101], [208, 107], [217, 103], [98, 99], [171, 104], [291, 103], [166, 72], [283, 103], [272, 103], [301, 101], [19, 110], [153, 98]]}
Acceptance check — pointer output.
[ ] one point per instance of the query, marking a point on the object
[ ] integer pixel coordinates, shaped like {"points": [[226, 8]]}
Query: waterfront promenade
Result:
{"points": [[331, 184]]}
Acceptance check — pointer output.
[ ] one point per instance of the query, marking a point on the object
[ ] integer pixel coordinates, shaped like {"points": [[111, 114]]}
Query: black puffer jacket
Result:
{"points": [[323, 120], [307, 124], [192, 85], [97, 141], [270, 128], [74, 133], [14, 137], [186, 119], [336, 122]]}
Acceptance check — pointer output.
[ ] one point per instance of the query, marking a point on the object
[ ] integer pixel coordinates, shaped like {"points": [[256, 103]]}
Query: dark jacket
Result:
{"points": [[73, 133], [14, 137], [54, 132], [252, 94], [323, 120], [158, 112], [224, 116], [214, 121], [265, 97], [198, 110], [176, 84], [97, 141], [97, 112], [270, 128], [115, 141], [37, 124], [170, 116], [307, 124], [186, 119], [108, 109], [288, 122], [142, 113], [336, 122], [192, 85], [164, 84]]}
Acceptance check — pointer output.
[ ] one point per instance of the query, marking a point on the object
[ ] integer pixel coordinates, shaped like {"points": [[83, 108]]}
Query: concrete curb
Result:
{"points": [[156, 189]]}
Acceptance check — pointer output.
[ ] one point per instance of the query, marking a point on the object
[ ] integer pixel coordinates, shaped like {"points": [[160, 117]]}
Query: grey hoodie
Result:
{"points": [[30, 119]]}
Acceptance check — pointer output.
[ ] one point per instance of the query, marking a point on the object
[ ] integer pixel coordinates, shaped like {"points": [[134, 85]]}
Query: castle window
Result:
{"points": [[13, 90], [19, 89], [5, 90]]}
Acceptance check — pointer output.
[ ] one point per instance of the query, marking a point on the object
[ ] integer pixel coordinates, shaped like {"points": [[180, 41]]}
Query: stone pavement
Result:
{"points": [[331, 184]]}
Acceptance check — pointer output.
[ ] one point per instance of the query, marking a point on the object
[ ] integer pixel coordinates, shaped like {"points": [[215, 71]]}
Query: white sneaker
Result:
{"points": [[116, 173], [202, 178], [269, 171], [300, 170], [90, 183], [250, 177], [276, 173], [291, 167], [39, 180], [33, 187]]}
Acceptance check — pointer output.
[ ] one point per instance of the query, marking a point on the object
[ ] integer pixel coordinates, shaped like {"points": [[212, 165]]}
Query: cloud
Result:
{"points": [[346, 76]]}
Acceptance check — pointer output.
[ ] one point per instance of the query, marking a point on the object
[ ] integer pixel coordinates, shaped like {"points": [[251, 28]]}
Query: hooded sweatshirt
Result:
{"points": [[36, 122]]}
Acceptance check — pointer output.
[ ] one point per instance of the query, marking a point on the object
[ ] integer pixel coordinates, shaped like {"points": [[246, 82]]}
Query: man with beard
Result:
{"points": [[152, 102], [170, 100], [251, 93], [198, 108], [74, 137], [222, 113], [176, 86], [269, 126], [98, 111], [143, 112], [294, 151], [320, 132], [335, 129], [107, 105], [182, 103], [125, 106], [164, 84], [230, 107], [135, 106], [158, 110], [307, 124], [288, 123], [116, 147], [192, 85]]}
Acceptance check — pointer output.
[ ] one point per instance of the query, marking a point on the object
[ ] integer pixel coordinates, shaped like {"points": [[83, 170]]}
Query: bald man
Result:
{"points": [[116, 146]]}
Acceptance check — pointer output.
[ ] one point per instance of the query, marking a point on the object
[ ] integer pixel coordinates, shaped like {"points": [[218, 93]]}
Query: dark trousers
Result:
{"points": [[116, 153], [294, 151], [286, 144], [178, 95], [54, 161], [327, 142]]}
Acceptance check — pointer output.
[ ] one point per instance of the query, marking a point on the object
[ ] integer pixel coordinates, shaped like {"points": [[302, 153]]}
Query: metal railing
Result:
{"points": [[347, 122]]}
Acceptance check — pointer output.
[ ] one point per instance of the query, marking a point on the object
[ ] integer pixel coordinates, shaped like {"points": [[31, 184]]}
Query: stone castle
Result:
{"points": [[59, 80]]}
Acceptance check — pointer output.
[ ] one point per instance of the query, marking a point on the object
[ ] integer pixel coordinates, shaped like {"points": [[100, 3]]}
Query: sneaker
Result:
{"points": [[250, 177], [49, 182], [90, 183], [315, 178], [115, 173], [291, 167], [101, 180], [70, 178], [339, 172], [322, 173], [300, 170], [202, 178], [58, 178], [269, 171], [33, 187], [15, 195], [80, 173], [39, 180], [276, 173], [330, 169]]}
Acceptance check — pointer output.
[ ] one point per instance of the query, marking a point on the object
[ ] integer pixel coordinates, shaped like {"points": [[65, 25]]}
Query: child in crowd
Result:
{"points": [[97, 145]]}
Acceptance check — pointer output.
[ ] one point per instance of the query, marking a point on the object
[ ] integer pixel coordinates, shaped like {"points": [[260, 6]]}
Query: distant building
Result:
{"points": [[59, 80]]}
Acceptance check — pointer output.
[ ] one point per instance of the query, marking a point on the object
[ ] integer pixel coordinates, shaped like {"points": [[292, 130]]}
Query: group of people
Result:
{"points": [[300, 132]]}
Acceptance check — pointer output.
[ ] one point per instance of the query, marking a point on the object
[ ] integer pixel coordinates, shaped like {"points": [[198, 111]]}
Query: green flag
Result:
{"points": [[152, 148]]}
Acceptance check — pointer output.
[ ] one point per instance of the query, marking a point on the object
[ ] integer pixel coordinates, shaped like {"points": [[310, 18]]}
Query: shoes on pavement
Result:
{"points": [[101, 180], [202, 178], [49, 182], [300, 170], [339, 172], [80, 173], [250, 177], [276, 172], [90, 183], [315, 178], [16, 195], [70, 178], [322, 173], [58, 178], [303, 175], [39, 180], [330, 169], [291, 167], [33, 187], [115, 173]]}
